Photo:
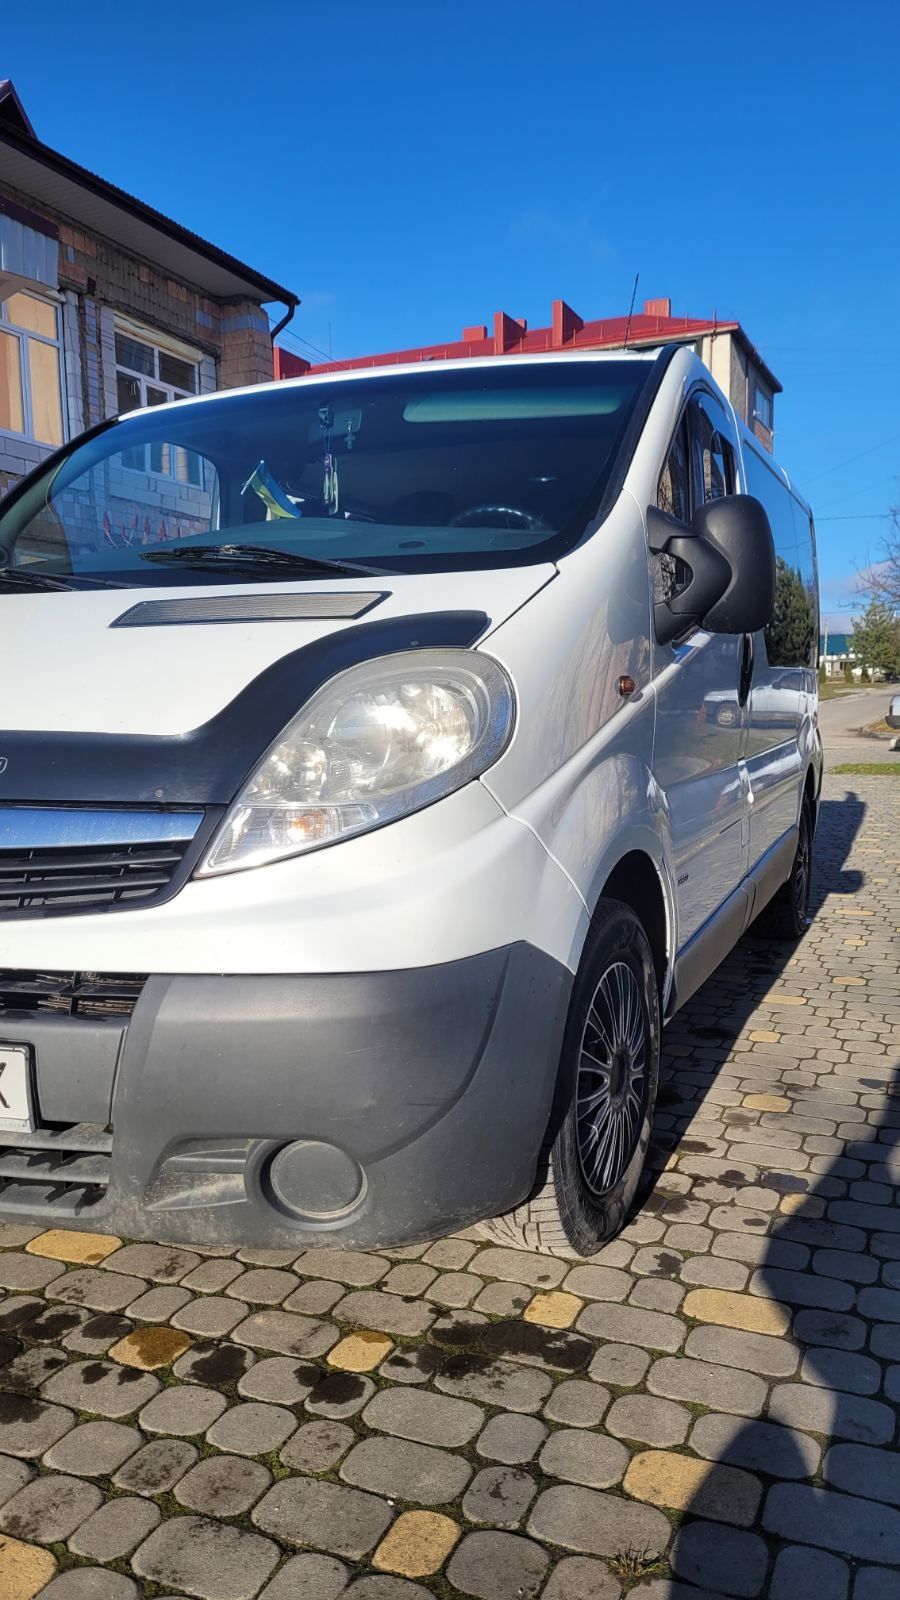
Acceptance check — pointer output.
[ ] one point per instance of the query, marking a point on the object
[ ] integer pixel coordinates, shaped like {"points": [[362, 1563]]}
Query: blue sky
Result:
{"points": [[411, 168]]}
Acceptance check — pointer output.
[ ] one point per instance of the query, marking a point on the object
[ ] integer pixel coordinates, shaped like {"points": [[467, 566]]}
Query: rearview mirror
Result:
{"points": [[729, 557]]}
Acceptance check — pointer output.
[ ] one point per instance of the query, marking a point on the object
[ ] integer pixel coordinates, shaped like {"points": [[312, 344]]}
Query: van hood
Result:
{"points": [[70, 665]]}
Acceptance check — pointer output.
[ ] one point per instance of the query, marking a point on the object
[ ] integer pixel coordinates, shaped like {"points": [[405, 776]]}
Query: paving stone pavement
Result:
{"points": [[707, 1409]]}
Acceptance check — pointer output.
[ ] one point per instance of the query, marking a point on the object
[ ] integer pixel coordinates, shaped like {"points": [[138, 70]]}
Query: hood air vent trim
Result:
{"points": [[315, 607]]}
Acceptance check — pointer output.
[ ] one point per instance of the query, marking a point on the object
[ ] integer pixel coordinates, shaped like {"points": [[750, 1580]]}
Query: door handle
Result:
{"points": [[746, 678]]}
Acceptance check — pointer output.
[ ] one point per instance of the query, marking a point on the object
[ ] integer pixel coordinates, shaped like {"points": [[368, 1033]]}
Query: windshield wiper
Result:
{"points": [[26, 578], [258, 559]]}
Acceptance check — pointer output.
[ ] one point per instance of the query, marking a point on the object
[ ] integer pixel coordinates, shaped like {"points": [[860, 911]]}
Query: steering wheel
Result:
{"points": [[495, 517]]}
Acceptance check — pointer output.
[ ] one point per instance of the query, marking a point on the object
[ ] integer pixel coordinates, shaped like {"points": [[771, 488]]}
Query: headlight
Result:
{"points": [[381, 740]]}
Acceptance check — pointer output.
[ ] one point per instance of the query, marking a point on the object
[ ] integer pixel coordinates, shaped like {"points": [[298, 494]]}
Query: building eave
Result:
{"points": [[47, 177], [12, 111], [750, 348]]}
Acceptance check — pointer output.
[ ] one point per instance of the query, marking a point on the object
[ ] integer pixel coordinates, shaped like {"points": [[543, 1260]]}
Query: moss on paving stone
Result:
{"points": [[275, 1464], [68, 1560]]}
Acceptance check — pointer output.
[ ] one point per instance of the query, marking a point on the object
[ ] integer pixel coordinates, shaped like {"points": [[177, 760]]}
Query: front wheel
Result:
{"points": [[599, 1131]]}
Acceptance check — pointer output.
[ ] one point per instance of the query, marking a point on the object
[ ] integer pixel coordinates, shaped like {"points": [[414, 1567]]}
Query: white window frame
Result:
{"points": [[22, 335], [165, 347], [761, 393]]}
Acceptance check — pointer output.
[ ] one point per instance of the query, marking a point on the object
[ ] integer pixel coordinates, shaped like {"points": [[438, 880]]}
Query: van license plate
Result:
{"points": [[15, 1088]]}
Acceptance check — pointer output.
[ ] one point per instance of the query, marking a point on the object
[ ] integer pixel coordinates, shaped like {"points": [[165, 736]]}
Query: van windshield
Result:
{"points": [[400, 473]]}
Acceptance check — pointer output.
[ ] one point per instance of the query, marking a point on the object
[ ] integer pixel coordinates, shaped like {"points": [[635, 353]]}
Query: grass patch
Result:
{"points": [[633, 1563], [835, 689], [870, 769]]}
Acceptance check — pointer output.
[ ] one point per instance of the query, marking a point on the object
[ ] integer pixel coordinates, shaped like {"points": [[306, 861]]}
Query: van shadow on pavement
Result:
{"points": [[701, 1037], [800, 1496]]}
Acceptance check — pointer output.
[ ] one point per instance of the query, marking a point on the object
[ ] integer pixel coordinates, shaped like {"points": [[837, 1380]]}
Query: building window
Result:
{"points": [[30, 369], [149, 375], [762, 406]]}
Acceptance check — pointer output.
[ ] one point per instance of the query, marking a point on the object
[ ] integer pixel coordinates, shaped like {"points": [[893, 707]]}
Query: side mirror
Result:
{"points": [[729, 554]]}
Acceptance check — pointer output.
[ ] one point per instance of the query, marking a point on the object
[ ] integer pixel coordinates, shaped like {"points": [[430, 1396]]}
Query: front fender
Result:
{"points": [[601, 806]]}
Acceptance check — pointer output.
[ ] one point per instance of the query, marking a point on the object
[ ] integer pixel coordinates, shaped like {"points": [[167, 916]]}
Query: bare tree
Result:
{"points": [[881, 579]]}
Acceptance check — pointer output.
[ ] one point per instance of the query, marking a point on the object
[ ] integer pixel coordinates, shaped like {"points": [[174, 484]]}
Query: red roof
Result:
{"points": [[566, 331]]}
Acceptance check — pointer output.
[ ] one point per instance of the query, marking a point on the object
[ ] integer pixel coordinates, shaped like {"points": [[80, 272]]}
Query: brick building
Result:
{"points": [[106, 305], [734, 362]]}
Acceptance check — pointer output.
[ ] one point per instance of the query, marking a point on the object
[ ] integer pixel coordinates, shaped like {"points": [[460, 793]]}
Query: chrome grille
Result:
{"points": [[73, 994], [85, 877], [71, 860]]}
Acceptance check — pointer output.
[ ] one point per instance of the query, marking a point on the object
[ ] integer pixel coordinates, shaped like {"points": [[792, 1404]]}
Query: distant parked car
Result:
{"points": [[893, 712]]}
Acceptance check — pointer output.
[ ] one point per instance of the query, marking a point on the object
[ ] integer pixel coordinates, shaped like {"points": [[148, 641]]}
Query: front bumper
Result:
{"points": [[358, 1109]]}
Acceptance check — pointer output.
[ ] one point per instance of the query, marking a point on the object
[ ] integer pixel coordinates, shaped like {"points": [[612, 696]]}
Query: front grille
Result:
{"points": [[73, 994], [85, 877], [63, 1170]]}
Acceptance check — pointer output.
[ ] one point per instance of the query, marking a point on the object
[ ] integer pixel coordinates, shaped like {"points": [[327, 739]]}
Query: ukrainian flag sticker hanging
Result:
{"points": [[276, 501]]}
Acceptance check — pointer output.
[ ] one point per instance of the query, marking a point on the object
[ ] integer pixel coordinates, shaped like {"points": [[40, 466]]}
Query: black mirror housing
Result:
{"points": [[738, 526], [730, 556]]}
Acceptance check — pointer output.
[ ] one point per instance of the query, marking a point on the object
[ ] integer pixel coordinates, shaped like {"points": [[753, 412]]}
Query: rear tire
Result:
{"points": [[787, 914], [596, 1143]]}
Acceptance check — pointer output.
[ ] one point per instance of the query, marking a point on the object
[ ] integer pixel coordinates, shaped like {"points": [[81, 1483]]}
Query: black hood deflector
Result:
{"points": [[208, 765]]}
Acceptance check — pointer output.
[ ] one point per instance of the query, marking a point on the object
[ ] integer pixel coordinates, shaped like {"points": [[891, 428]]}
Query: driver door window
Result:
{"points": [[673, 495], [714, 455], [699, 467]]}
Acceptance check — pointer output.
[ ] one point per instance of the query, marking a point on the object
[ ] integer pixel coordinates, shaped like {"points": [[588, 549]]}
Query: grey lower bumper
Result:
{"points": [[358, 1109]]}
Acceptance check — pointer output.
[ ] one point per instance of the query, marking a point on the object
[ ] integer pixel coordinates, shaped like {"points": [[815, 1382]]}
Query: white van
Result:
{"points": [[384, 758]]}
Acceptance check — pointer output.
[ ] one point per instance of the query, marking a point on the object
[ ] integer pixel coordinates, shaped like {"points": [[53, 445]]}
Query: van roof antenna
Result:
{"points": [[630, 312]]}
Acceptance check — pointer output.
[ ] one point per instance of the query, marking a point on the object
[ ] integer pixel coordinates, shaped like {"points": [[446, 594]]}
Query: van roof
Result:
{"points": [[458, 364]]}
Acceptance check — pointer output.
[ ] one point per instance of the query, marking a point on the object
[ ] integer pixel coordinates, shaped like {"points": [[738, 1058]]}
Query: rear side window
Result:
{"points": [[792, 635]]}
